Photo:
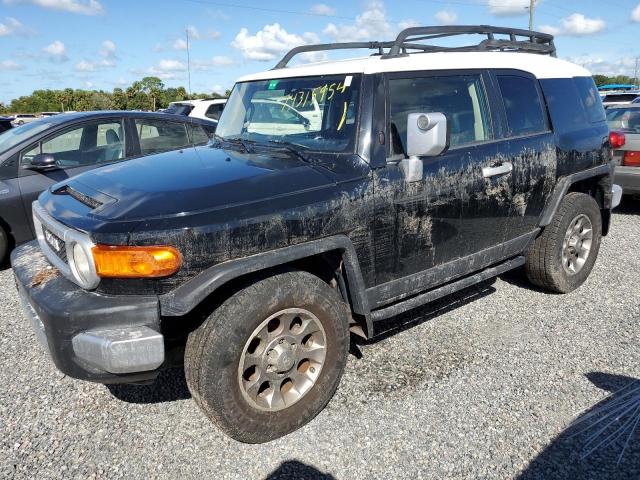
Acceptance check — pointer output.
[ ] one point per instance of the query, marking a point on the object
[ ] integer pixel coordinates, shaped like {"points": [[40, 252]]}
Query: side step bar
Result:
{"points": [[444, 290]]}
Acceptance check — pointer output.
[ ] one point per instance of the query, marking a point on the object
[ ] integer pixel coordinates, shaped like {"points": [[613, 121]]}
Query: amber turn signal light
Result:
{"points": [[115, 261]]}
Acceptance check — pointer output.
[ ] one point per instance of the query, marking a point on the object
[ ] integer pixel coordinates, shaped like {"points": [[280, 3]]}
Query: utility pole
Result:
{"points": [[532, 4], [635, 74], [188, 61]]}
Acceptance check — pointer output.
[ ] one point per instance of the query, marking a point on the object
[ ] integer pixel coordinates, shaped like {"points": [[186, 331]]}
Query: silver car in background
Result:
{"points": [[624, 122]]}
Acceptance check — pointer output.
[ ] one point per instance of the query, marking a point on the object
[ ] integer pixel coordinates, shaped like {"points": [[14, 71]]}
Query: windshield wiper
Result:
{"points": [[237, 141], [294, 148]]}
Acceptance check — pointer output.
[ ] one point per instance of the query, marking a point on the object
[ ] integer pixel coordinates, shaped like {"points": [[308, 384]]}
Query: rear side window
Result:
{"points": [[159, 136], [590, 98], [214, 111], [522, 104], [461, 98]]}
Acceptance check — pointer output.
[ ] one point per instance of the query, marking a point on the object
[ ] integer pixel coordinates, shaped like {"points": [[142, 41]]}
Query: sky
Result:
{"points": [[103, 44]]}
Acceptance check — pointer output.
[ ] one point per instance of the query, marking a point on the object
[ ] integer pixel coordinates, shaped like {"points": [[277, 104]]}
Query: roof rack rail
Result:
{"points": [[407, 39]]}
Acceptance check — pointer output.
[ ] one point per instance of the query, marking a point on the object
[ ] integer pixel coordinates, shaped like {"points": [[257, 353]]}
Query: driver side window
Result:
{"points": [[461, 98]]}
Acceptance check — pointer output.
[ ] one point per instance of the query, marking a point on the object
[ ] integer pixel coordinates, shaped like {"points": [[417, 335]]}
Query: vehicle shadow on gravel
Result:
{"points": [[295, 470], [602, 443], [628, 206], [170, 386]]}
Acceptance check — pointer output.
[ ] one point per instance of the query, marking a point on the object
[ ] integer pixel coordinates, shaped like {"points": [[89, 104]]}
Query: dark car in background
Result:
{"points": [[39, 154], [5, 124]]}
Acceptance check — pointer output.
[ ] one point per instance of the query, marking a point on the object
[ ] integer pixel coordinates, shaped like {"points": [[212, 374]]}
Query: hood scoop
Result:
{"points": [[83, 198]]}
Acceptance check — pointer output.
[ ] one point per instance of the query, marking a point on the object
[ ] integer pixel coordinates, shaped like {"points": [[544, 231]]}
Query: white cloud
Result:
{"points": [[108, 54], [165, 69], [606, 64], [82, 7], [576, 25], [180, 44], [193, 32], [369, 25], [269, 42], [408, 24], [213, 34], [322, 9], [56, 51], [9, 65], [635, 14], [508, 8], [217, 61], [12, 26], [446, 17], [108, 49]]}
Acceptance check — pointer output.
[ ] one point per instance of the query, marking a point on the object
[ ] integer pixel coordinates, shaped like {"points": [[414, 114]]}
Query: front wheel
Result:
{"points": [[562, 257], [270, 358]]}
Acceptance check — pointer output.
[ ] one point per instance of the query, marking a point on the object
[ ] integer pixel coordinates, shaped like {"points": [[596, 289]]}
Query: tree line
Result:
{"points": [[150, 94]]}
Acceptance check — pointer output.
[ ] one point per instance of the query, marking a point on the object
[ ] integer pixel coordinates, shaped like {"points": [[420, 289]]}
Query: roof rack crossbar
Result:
{"points": [[529, 42]]}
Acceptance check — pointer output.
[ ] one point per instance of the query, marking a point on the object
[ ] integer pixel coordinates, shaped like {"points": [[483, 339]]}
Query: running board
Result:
{"points": [[444, 290]]}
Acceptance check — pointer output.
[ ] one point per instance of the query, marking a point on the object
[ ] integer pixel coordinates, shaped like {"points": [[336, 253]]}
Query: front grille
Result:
{"points": [[56, 244]]}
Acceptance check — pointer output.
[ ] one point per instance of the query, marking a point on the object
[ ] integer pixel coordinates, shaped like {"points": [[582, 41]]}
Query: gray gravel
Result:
{"points": [[481, 385]]}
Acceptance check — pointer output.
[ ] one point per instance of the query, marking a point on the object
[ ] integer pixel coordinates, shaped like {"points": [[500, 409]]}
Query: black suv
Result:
{"points": [[39, 154], [375, 186]]}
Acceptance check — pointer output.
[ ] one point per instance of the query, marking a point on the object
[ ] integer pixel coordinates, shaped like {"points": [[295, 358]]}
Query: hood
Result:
{"points": [[192, 180]]}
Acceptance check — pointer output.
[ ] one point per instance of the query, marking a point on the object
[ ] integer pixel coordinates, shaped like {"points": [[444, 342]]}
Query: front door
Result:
{"points": [[455, 210]]}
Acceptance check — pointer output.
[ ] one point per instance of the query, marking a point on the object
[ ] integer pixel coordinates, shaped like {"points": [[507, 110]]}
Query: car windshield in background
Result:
{"points": [[624, 119], [13, 137], [179, 109], [315, 113], [620, 97]]}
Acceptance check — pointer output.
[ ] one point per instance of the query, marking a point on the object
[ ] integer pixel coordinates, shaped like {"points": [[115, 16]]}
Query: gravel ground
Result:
{"points": [[482, 384]]}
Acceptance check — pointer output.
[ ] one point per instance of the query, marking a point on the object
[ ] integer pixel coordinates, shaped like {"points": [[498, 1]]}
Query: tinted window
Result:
{"points": [[625, 119], [565, 106], [590, 98], [158, 136], [96, 142], [620, 97], [461, 99], [522, 104], [214, 111], [198, 135]]}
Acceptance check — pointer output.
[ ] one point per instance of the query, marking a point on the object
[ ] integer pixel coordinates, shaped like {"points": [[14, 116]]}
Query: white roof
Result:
{"points": [[542, 66]]}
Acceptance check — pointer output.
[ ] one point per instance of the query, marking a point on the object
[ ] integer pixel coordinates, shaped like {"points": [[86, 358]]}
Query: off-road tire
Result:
{"points": [[543, 265], [214, 350]]}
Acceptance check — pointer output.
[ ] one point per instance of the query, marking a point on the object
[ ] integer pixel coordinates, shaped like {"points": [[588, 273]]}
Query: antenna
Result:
{"points": [[188, 61]]}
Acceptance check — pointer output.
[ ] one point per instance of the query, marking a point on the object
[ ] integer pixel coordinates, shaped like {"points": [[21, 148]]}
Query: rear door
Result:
{"points": [[79, 148], [528, 145]]}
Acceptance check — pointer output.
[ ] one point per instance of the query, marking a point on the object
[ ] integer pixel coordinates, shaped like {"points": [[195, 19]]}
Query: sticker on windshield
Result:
{"points": [[347, 80], [272, 84]]}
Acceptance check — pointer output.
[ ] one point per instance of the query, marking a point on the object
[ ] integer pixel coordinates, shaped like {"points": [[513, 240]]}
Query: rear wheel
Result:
{"points": [[269, 358], [562, 257]]}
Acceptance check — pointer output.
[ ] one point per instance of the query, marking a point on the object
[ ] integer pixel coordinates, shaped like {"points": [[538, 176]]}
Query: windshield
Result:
{"points": [[315, 113], [626, 119], [13, 137]]}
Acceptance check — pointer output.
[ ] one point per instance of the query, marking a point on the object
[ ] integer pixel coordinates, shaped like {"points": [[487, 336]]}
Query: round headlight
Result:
{"points": [[81, 263]]}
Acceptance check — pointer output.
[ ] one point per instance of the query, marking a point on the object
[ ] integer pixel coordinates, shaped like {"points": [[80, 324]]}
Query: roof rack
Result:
{"points": [[408, 40]]}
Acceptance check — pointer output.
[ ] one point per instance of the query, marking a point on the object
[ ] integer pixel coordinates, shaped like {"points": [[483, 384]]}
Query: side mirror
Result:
{"points": [[427, 136], [43, 161]]}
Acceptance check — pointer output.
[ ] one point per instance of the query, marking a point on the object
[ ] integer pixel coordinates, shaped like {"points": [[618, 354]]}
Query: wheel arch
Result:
{"points": [[323, 257], [596, 182]]}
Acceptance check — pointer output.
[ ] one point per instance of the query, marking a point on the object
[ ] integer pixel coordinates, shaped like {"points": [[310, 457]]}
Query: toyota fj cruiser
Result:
{"points": [[251, 260]]}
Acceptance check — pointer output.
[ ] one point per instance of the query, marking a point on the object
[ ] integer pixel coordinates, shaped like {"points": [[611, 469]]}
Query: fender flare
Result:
{"points": [[563, 185], [187, 296]]}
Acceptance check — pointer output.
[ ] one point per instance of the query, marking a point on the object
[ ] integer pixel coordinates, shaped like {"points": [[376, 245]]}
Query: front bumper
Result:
{"points": [[628, 178], [106, 339]]}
